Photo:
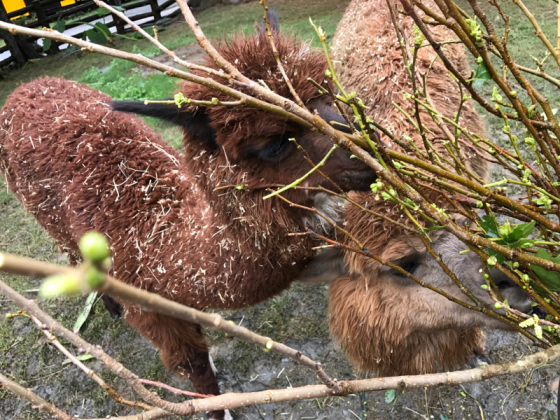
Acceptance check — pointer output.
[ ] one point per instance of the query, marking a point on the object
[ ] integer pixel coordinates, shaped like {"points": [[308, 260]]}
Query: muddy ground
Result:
{"points": [[297, 318]]}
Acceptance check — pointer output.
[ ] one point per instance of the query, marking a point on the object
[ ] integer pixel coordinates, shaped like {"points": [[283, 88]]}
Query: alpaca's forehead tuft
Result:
{"points": [[254, 58]]}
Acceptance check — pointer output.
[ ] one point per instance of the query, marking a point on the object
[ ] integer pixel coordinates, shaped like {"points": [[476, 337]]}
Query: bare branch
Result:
{"points": [[114, 394], [37, 401], [153, 40]]}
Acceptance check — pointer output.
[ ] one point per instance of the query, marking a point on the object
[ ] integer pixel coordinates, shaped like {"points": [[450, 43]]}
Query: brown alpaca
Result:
{"points": [[386, 323], [177, 225]]}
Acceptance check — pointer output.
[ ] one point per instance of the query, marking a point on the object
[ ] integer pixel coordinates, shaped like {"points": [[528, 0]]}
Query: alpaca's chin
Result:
{"points": [[327, 205]]}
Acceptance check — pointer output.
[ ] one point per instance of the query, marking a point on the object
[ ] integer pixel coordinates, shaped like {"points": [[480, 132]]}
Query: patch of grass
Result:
{"points": [[288, 316], [523, 45], [221, 22], [156, 371], [120, 81]]}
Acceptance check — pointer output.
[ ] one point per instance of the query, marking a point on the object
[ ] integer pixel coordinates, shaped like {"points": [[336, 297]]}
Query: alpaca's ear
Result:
{"points": [[196, 124]]}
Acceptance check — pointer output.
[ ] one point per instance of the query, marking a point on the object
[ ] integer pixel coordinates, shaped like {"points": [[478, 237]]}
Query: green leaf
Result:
{"points": [[521, 231], [490, 226], [550, 279], [481, 75], [46, 44], [390, 396], [85, 312], [59, 25], [81, 358], [522, 243], [442, 417], [102, 12], [99, 34], [104, 29], [512, 236], [96, 37]]}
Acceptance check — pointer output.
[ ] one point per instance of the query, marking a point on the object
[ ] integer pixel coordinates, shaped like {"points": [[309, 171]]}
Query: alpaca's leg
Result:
{"points": [[113, 307], [182, 349]]}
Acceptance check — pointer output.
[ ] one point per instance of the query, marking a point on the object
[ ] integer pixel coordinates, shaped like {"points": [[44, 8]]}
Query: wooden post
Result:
{"points": [[118, 22], [20, 49], [155, 9], [39, 11], [10, 40]]}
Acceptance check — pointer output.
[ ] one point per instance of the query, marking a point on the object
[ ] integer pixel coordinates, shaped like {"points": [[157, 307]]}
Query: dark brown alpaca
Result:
{"points": [[386, 323], [176, 224]]}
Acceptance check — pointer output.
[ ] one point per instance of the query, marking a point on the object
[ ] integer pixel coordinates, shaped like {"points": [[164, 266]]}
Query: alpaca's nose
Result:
{"points": [[511, 292]]}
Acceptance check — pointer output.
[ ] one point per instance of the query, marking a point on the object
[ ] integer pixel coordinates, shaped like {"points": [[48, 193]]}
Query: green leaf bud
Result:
{"points": [[60, 284]]}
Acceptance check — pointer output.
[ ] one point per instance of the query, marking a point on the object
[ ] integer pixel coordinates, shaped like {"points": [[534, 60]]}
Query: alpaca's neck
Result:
{"points": [[237, 204], [231, 248]]}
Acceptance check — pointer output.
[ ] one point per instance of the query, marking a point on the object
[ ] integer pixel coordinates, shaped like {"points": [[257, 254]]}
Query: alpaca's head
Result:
{"points": [[251, 147], [259, 141], [391, 325]]}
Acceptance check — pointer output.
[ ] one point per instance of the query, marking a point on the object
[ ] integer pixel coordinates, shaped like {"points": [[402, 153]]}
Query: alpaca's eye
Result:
{"points": [[276, 147], [408, 266]]}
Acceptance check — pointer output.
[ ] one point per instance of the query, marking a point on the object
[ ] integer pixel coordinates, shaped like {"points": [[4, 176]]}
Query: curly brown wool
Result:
{"points": [[386, 323], [177, 224]]}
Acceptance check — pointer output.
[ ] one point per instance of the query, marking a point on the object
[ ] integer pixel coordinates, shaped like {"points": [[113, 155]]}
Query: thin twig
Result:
{"points": [[154, 40], [37, 401], [175, 391], [114, 394], [277, 57]]}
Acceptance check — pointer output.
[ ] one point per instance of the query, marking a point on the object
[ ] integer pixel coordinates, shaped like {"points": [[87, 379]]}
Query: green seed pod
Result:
{"points": [[94, 247], [498, 305]]}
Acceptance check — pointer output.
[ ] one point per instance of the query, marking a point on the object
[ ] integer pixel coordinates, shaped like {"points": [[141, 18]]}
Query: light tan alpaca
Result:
{"points": [[386, 323]]}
